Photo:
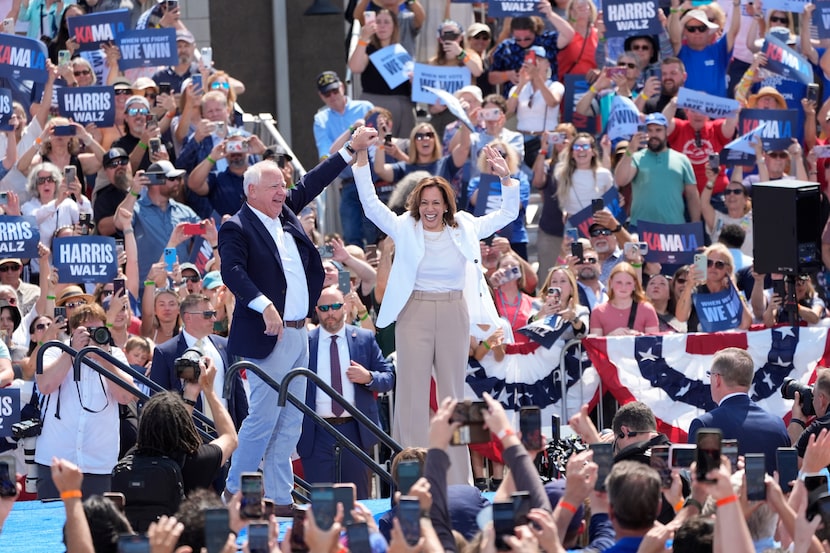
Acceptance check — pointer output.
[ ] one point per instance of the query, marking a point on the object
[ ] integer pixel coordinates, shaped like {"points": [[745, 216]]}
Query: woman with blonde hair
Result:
{"points": [[560, 296], [627, 311], [580, 178]]}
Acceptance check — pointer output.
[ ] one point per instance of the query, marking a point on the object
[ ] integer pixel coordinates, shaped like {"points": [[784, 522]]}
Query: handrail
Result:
{"points": [[53, 344], [307, 411]]}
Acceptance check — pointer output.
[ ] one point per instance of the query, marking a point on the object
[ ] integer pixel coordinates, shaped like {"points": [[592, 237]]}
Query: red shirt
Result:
{"points": [[712, 140], [569, 59]]}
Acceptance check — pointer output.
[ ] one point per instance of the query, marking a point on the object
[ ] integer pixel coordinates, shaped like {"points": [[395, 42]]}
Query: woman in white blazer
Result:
{"points": [[436, 288]]}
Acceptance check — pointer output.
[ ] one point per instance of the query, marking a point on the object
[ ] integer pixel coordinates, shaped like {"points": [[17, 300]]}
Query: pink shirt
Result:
{"points": [[608, 318]]}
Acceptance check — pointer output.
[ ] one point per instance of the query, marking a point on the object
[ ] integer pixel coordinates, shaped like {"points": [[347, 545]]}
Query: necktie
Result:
{"points": [[336, 378]]}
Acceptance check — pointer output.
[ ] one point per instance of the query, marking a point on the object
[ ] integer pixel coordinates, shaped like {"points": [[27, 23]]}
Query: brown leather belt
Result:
{"points": [[294, 324], [337, 421]]}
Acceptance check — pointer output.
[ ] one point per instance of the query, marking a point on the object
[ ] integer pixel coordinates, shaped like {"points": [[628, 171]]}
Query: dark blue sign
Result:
{"points": [[147, 48], [630, 17], [785, 61], [85, 258], [9, 410], [671, 244], [575, 87], [821, 18], [93, 29], [18, 236], [545, 331], [5, 109], [489, 200], [719, 311], [88, 104], [584, 218], [22, 58], [779, 126], [512, 8]]}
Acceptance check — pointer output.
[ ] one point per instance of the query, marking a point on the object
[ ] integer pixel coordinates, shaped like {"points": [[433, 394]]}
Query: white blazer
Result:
{"points": [[408, 235]]}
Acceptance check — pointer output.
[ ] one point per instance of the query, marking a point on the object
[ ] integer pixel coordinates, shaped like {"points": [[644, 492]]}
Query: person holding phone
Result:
{"points": [[560, 297], [738, 208], [809, 306], [579, 177], [436, 252]]}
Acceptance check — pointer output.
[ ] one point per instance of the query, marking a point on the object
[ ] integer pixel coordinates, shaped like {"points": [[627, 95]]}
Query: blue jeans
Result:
{"points": [[356, 227], [270, 433]]}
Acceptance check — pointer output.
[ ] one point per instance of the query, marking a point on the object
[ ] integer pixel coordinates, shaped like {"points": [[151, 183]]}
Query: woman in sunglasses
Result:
{"points": [[738, 209], [219, 80], [719, 276], [578, 176]]}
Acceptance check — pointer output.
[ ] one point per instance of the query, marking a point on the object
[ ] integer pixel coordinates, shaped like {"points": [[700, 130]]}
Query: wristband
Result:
{"points": [[170, 114], [628, 153], [38, 140], [50, 297], [799, 422], [362, 42], [364, 317], [644, 96], [211, 160], [461, 56], [349, 148], [726, 500], [134, 193], [108, 325], [128, 230], [142, 145], [40, 344], [679, 505], [543, 153], [593, 89], [216, 247], [674, 10], [486, 345], [567, 506], [636, 265], [514, 94], [505, 432], [189, 401], [71, 494], [617, 229], [149, 283]]}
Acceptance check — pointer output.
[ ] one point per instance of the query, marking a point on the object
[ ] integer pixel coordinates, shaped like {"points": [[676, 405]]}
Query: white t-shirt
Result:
{"points": [[532, 113], [586, 187]]}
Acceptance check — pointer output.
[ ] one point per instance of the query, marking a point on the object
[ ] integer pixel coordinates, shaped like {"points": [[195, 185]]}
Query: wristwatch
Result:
{"points": [[618, 228]]}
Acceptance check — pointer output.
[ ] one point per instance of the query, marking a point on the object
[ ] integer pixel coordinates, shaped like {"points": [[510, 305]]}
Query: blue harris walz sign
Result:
{"points": [[18, 236], [85, 258], [88, 104]]}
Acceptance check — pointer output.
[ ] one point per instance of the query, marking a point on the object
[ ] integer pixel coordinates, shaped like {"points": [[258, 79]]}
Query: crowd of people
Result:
{"points": [[220, 256]]}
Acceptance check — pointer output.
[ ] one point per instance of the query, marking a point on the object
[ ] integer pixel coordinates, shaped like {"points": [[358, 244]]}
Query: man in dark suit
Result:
{"points": [[349, 359], [275, 272], [737, 416], [198, 316]]}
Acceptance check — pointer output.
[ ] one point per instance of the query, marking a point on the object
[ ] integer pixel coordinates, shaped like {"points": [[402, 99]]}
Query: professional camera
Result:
{"points": [[188, 365], [791, 386], [28, 431], [101, 335], [551, 463]]}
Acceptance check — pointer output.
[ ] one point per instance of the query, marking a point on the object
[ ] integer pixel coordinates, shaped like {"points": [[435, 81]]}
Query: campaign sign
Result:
{"points": [[449, 79], [513, 8], [18, 236], [630, 17], [393, 63], [785, 61], [454, 105], [795, 6], [671, 244], [707, 104], [147, 48], [95, 28], [88, 104], [85, 258], [9, 410], [489, 200], [821, 18], [584, 218], [23, 58], [5, 109], [575, 87], [623, 119], [778, 130], [545, 331], [719, 311]]}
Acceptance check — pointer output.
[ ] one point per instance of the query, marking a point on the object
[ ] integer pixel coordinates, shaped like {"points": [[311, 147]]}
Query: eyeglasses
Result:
{"points": [[123, 92], [627, 64], [44, 180], [82, 72], [325, 308], [42, 326], [735, 191], [680, 280], [640, 47], [332, 92], [778, 155], [9, 267], [204, 314], [715, 264], [696, 28], [191, 278], [774, 19], [581, 147], [138, 111], [151, 95], [601, 232], [710, 374], [591, 260], [71, 304], [117, 162], [219, 84], [424, 135]]}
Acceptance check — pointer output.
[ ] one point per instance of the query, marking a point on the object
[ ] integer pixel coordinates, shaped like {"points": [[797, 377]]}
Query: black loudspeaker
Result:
{"points": [[786, 226]]}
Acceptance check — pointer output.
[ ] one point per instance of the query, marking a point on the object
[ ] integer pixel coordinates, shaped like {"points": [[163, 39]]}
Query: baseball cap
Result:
{"points": [[121, 83], [477, 28], [143, 83], [137, 100], [185, 266], [326, 81], [276, 152], [168, 170], [11, 260], [185, 35], [472, 89], [656, 119], [212, 280], [113, 154]]}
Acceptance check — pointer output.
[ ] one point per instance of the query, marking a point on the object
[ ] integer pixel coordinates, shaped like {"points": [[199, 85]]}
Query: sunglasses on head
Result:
{"points": [[735, 191], [9, 267], [81, 72], [204, 314], [138, 111], [44, 180], [601, 232], [219, 84], [72, 304], [627, 64], [581, 147], [775, 19], [424, 135], [696, 28], [715, 263], [325, 308]]}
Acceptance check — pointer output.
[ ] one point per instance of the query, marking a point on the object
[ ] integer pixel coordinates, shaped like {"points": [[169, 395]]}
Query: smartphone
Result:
{"points": [[70, 173], [779, 288], [64, 56], [755, 469], [408, 472], [170, 258], [708, 451], [60, 313], [729, 449], [612, 72], [84, 223], [503, 523], [219, 129], [660, 462], [714, 162], [117, 498], [681, 456], [252, 491], [298, 544], [194, 229], [787, 460], [217, 528], [152, 123], [64, 130], [165, 88], [472, 431], [155, 179], [572, 233], [118, 285], [822, 506], [119, 247], [597, 205], [530, 425], [131, 543], [631, 249], [701, 263], [207, 56], [196, 80], [8, 477], [577, 251], [344, 282], [258, 537], [555, 428], [491, 114], [345, 493], [409, 515], [358, 534], [368, 17], [604, 458], [521, 507], [371, 251], [155, 145], [812, 92], [326, 251], [557, 138], [530, 57], [323, 505], [4, 198]]}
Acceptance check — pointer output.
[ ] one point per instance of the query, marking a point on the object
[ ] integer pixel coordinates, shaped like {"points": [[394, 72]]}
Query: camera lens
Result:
{"points": [[101, 335]]}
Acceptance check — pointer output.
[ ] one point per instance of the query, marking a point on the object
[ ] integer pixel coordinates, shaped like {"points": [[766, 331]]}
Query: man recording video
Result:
{"points": [[798, 429]]}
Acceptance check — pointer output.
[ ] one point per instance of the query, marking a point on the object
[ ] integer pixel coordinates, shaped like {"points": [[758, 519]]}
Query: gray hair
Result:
{"points": [[253, 174], [56, 173]]}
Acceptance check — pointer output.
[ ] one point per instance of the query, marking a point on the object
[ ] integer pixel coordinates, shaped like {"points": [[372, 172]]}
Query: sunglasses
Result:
{"points": [[44, 180], [627, 64], [696, 28], [424, 135], [591, 260], [715, 264], [138, 111], [190, 278], [680, 280], [204, 314], [784, 20], [640, 47], [42, 326], [71, 304], [778, 155], [325, 308], [219, 84], [331, 93], [735, 191], [9, 267], [82, 72], [151, 96], [123, 92], [118, 162], [581, 147], [601, 232]]}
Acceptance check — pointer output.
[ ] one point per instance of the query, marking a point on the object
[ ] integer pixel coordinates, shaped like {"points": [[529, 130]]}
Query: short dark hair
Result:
{"points": [[695, 535], [636, 416], [190, 301], [634, 494], [191, 514], [732, 236], [106, 523]]}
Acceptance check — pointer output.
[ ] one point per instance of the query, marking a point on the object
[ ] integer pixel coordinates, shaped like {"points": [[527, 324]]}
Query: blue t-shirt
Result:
{"points": [[706, 69]]}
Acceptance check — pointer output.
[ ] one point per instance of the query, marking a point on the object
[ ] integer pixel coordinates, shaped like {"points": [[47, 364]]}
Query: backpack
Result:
{"points": [[152, 486]]}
